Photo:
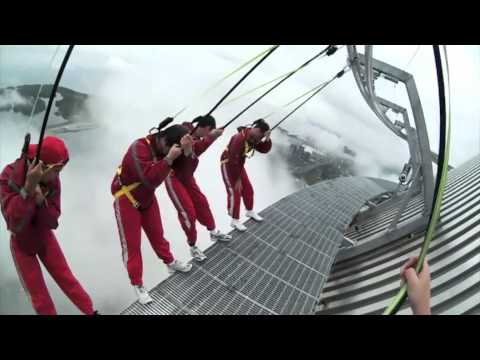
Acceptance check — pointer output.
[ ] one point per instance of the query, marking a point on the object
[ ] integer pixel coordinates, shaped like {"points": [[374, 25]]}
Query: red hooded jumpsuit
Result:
{"points": [[232, 165], [32, 237], [187, 197], [143, 171]]}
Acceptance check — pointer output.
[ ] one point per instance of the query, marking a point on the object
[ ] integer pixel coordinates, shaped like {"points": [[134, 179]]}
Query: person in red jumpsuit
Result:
{"points": [[243, 145], [30, 203], [145, 166], [188, 199]]}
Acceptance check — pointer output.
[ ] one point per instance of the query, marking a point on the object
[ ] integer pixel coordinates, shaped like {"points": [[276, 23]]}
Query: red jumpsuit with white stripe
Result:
{"points": [[32, 239], [141, 164], [232, 165], [188, 199]]}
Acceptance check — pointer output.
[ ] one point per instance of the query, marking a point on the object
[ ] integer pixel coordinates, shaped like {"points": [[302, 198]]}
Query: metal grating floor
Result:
{"points": [[276, 267]]}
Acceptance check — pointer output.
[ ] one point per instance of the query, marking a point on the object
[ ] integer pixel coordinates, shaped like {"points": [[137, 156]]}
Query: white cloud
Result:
{"points": [[116, 63], [11, 97]]}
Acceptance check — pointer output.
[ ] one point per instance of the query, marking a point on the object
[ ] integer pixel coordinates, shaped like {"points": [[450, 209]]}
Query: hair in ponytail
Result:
{"points": [[260, 123], [204, 121], [172, 134], [163, 123]]}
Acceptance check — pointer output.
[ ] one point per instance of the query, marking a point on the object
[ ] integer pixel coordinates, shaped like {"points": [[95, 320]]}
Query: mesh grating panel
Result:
{"points": [[278, 266]]}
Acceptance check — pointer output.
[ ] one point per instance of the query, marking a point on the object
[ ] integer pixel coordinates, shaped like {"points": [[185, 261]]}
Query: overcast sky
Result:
{"points": [[172, 76], [144, 84]]}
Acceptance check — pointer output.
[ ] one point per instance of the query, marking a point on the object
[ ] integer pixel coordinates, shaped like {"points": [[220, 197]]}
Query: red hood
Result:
{"points": [[53, 151]]}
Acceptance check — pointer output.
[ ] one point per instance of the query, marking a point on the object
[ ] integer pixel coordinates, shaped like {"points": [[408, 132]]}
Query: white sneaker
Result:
{"points": [[197, 253], [178, 266], [142, 295], [217, 235], [236, 224], [253, 215]]}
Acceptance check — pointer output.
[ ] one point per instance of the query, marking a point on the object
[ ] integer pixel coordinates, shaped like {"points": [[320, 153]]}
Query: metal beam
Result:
{"points": [[366, 70], [381, 239]]}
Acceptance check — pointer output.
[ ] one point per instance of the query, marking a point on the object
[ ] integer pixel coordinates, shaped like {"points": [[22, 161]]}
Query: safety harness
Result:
{"points": [[248, 151], [127, 189]]}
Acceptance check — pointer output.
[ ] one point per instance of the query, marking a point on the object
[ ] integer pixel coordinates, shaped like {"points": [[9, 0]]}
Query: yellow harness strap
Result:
{"points": [[248, 149], [126, 190]]}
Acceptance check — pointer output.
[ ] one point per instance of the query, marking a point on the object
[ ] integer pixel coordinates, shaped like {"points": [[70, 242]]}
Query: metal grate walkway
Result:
{"points": [[275, 267]]}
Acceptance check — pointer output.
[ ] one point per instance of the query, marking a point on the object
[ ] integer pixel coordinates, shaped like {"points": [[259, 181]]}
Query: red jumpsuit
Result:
{"points": [[185, 194], [140, 164], [232, 165], [32, 239]]}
